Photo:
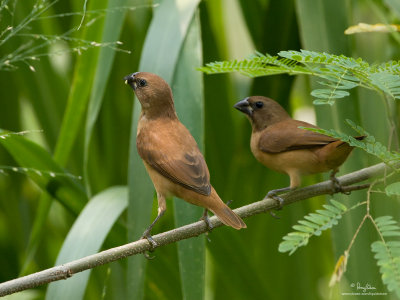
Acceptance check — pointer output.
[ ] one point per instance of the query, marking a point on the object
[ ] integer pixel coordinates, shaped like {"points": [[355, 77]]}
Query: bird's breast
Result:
{"points": [[163, 185], [142, 123]]}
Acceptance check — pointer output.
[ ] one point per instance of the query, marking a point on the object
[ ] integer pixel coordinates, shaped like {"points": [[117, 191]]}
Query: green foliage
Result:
{"points": [[35, 45], [111, 32], [368, 144], [387, 253], [89, 231], [313, 225], [88, 87], [44, 171], [340, 73], [393, 189]]}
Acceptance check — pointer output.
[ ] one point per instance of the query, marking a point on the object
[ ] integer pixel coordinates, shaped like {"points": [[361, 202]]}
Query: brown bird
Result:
{"points": [[278, 143], [171, 155]]}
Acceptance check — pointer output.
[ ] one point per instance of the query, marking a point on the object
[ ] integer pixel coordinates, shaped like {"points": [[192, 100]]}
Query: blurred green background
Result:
{"points": [[87, 118]]}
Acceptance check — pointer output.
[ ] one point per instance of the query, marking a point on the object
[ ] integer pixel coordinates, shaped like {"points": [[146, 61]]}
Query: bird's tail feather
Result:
{"points": [[360, 137], [227, 216]]}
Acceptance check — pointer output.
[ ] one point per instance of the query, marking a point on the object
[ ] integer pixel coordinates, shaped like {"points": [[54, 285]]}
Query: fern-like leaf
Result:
{"points": [[369, 144], [313, 224], [393, 189], [387, 253], [339, 73], [388, 83]]}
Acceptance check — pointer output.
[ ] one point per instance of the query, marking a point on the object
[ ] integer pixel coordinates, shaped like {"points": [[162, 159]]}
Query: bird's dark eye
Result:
{"points": [[141, 82], [259, 104]]}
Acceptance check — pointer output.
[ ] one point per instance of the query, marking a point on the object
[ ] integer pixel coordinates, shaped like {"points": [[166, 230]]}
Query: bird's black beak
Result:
{"points": [[131, 80], [244, 107]]}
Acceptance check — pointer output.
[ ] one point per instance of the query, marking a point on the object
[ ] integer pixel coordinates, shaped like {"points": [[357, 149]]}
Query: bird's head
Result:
{"points": [[153, 92], [261, 111]]}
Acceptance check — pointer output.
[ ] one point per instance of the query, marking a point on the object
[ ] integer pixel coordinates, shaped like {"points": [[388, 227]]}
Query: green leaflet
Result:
{"points": [[368, 144], [393, 189], [341, 73], [314, 224], [387, 253]]}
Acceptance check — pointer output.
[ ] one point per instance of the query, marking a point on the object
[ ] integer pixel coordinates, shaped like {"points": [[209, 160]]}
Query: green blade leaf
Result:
{"points": [[86, 237], [70, 127], [112, 30], [188, 85], [44, 171], [160, 54], [394, 6]]}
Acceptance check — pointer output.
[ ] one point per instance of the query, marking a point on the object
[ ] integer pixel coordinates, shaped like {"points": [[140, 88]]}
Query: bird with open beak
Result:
{"points": [[171, 155], [279, 144]]}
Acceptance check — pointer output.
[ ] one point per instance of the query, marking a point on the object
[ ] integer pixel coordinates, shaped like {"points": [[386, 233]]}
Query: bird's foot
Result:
{"points": [[148, 256], [206, 220], [337, 187], [153, 244], [146, 235], [273, 214], [273, 195]]}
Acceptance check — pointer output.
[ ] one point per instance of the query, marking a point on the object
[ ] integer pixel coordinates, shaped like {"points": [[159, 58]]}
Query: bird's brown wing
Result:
{"points": [[173, 152], [286, 136]]}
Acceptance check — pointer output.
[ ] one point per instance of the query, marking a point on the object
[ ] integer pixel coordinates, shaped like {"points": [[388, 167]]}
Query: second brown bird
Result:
{"points": [[279, 143], [170, 153]]}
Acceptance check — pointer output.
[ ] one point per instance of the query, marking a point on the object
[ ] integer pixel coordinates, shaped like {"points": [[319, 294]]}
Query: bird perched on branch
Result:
{"points": [[171, 155], [279, 144]]}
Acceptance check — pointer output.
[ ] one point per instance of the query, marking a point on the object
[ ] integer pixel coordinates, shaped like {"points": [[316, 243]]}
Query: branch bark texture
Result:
{"points": [[191, 230]]}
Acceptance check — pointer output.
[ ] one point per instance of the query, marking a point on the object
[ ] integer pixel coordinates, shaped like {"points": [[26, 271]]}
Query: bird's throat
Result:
{"points": [[159, 112]]}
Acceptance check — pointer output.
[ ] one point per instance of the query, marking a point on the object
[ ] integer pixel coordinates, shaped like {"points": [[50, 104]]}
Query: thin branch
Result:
{"points": [[67, 270]]}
